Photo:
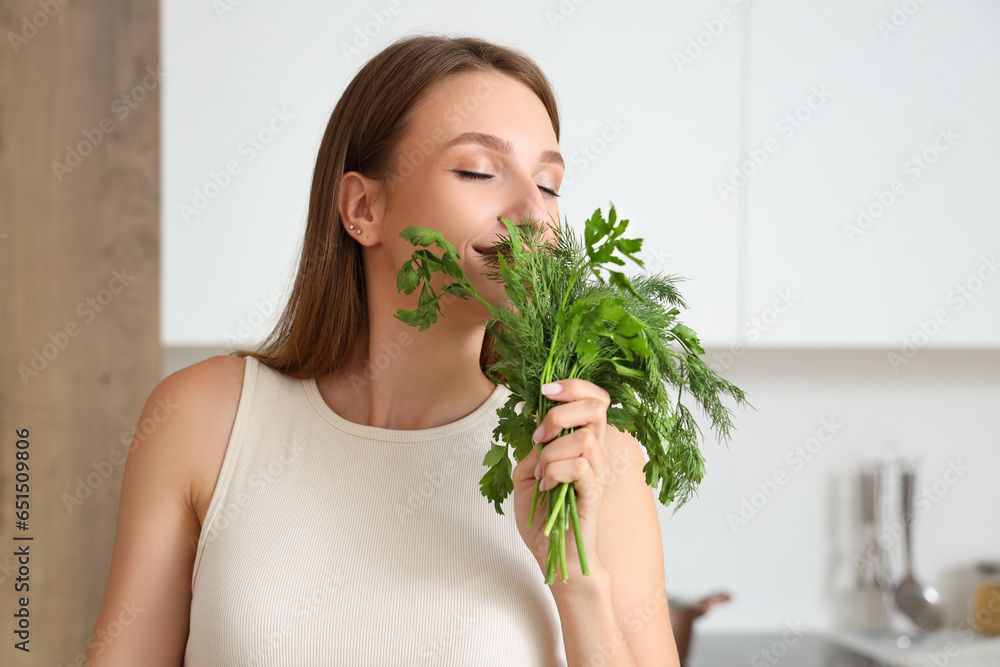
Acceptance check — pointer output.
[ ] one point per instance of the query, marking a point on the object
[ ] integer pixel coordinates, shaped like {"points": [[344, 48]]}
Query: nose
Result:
{"points": [[529, 207]]}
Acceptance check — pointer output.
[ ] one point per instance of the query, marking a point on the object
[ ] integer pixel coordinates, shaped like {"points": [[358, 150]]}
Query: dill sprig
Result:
{"points": [[564, 319]]}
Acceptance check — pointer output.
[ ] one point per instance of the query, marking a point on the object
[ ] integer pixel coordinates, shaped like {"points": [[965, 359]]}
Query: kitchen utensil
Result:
{"points": [[868, 521], [920, 603]]}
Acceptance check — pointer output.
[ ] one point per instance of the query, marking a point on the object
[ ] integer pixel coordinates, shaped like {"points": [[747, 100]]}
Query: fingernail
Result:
{"points": [[538, 470], [539, 432], [550, 388]]}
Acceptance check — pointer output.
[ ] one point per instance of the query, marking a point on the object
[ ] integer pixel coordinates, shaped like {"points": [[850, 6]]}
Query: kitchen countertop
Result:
{"points": [[789, 648], [765, 650]]}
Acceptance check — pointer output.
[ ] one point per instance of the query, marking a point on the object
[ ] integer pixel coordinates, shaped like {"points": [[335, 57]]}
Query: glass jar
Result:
{"points": [[987, 598]]}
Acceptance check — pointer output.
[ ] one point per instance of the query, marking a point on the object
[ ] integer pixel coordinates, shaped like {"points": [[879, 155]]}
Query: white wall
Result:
{"points": [[226, 269]]}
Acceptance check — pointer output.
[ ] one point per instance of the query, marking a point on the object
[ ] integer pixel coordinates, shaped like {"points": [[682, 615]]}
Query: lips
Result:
{"points": [[488, 251]]}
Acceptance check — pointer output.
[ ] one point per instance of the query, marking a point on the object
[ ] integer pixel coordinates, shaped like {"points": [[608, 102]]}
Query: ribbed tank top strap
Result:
{"points": [[236, 442]]}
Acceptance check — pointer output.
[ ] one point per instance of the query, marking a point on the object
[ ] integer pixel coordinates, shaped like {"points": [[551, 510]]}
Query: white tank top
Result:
{"points": [[328, 542]]}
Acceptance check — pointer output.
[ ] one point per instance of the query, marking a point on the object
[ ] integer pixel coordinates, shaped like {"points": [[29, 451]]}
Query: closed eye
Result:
{"points": [[476, 176]]}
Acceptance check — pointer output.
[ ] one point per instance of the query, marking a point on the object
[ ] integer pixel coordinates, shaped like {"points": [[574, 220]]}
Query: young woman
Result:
{"points": [[316, 501]]}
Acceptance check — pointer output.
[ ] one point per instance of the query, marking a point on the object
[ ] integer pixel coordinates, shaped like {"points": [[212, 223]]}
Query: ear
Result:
{"points": [[361, 205]]}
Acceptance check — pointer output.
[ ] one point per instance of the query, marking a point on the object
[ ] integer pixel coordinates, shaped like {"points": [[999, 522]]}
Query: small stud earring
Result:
{"points": [[359, 230], [352, 226]]}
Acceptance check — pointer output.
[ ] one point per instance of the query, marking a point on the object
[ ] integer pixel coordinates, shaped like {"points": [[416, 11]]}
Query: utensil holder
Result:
{"points": [[880, 565]]}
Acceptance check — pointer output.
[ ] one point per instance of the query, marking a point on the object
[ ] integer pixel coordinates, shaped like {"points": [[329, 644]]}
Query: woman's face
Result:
{"points": [[480, 146]]}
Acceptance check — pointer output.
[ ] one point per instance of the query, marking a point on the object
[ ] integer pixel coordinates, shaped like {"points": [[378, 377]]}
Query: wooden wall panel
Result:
{"points": [[79, 306]]}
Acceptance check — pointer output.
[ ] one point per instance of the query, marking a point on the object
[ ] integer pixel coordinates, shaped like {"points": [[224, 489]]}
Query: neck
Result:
{"points": [[403, 379]]}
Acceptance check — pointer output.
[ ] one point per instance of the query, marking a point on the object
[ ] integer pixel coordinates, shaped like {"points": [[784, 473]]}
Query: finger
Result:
{"points": [[576, 471], [572, 389], [586, 412], [581, 443]]}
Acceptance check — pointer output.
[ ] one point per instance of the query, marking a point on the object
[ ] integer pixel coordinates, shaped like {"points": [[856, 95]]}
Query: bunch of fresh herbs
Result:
{"points": [[565, 320]]}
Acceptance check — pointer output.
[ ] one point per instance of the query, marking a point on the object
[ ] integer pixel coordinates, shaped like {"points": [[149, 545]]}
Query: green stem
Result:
{"points": [[558, 506], [577, 534], [572, 281], [562, 543], [550, 560], [550, 567], [468, 286], [534, 496]]}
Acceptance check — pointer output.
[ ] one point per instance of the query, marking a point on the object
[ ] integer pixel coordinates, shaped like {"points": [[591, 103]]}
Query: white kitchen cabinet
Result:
{"points": [[675, 81], [872, 201], [637, 130], [824, 174]]}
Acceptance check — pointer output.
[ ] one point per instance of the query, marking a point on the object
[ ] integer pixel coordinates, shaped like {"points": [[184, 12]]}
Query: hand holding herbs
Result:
{"points": [[564, 320]]}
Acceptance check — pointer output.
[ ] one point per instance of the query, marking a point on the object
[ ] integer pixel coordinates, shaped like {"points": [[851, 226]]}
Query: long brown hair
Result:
{"points": [[327, 308]]}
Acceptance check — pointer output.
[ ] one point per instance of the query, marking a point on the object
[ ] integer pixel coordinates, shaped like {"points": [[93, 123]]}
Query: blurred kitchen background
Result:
{"points": [[823, 174]]}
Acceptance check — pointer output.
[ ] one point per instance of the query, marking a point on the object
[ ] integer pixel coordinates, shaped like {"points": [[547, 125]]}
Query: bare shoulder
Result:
{"points": [[170, 471], [207, 394]]}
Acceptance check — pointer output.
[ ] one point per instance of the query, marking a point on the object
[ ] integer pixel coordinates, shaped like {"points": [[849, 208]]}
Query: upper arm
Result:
{"points": [[145, 612], [631, 550]]}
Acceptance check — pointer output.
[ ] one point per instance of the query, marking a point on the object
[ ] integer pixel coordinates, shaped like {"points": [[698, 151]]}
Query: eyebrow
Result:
{"points": [[495, 143]]}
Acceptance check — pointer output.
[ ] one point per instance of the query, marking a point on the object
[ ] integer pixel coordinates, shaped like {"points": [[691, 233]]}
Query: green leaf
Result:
{"points": [[411, 317], [628, 325], [611, 309], [628, 371], [408, 279], [689, 337], [496, 454], [497, 483], [424, 237]]}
